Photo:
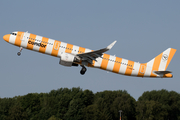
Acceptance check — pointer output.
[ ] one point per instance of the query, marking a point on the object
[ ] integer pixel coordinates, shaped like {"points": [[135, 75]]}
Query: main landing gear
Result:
{"points": [[19, 53], [83, 70]]}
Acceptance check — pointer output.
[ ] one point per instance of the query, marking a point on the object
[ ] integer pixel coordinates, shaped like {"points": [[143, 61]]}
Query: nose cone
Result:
{"points": [[6, 37]]}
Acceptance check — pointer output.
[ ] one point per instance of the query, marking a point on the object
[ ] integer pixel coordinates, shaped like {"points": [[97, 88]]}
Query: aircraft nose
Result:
{"points": [[6, 37]]}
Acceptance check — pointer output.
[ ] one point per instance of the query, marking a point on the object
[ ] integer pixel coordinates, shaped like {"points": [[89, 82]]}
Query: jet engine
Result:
{"points": [[68, 59]]}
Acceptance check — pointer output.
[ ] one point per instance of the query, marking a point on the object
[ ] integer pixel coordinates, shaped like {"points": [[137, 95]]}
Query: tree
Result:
{"points": [[158, 105], [30, 104], [5, 105], [113, 101], [125, 103], [54, 118], [102, 111]]}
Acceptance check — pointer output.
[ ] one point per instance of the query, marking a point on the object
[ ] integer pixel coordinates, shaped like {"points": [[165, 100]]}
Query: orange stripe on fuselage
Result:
{"points": [[117, 65], [105, 61], [18, 41], [81, 50], [55, 48], [44, 42], [129, 68], [31, 39], [69, 48]]}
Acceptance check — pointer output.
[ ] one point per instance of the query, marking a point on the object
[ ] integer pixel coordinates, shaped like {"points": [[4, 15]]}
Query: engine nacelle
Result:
{"points": [[67, 60]]}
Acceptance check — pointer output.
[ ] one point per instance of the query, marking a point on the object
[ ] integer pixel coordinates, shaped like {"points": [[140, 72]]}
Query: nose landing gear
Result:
{"points": [[19, 53], [83, 70]]}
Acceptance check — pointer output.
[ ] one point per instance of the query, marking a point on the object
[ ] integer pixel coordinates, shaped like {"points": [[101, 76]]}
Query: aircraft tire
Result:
{"points": [[18, 53], [83, 70]]}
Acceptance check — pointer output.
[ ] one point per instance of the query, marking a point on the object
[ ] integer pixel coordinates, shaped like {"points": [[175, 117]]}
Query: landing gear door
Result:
{"points": [[24, 36]]}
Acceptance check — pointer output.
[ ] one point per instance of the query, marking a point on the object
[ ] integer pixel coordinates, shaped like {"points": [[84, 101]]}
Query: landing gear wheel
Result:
{"points": [[19, 53], [83, 70]]}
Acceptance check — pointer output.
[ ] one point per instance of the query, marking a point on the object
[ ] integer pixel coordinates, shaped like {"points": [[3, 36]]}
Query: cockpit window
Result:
{"points": [[13, 33]]}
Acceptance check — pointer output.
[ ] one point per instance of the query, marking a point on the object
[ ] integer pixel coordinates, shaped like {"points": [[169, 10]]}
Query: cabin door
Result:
{"points": [[24, 36], [142, 69]]}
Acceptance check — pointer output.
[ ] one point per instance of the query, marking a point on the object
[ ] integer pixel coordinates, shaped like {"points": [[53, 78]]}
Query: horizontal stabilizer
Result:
{"points": [[162, 72]]}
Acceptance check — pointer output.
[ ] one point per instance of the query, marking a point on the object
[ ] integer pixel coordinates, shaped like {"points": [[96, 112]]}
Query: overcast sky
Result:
{"points": [[143, 29]]}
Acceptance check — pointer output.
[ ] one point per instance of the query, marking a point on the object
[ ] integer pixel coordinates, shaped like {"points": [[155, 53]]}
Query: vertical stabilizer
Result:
{"points": [[161, 62]]}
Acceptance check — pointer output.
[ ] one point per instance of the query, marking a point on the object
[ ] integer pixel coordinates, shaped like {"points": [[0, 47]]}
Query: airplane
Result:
{"points": [[72, 55]]}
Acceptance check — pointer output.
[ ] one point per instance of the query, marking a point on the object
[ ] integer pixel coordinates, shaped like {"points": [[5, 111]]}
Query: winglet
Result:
{"points": [[111, 45]]}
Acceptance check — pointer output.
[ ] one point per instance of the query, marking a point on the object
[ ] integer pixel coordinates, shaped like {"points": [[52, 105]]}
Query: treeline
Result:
{"points": [[76, 104]]}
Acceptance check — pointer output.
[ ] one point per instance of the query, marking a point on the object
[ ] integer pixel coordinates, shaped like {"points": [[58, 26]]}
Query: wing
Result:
{"points": [[90, 56]]}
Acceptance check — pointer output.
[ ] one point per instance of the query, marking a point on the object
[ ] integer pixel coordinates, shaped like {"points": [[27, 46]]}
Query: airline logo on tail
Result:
{"points": [[72, 55], [165, 57]]}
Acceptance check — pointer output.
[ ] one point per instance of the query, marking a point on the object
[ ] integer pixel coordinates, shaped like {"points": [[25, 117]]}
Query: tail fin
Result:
{"points": [[161, 62]]}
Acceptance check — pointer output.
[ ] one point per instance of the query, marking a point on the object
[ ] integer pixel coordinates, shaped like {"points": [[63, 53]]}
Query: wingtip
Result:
{"points": [[115, 41], [111, 45]]}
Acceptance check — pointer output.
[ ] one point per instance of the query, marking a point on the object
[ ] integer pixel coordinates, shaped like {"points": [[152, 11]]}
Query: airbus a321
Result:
{"points": [[72, 55]]}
